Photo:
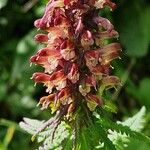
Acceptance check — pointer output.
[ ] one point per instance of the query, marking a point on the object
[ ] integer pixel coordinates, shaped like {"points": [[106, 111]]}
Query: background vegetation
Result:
{"points": [[18, 96]]}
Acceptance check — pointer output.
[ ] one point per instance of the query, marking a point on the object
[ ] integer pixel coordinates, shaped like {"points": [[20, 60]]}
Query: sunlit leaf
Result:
{"points": [[3, 3]]}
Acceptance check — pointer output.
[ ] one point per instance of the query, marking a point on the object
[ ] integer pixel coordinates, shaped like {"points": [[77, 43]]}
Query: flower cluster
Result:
{"points": [[75, 59]]}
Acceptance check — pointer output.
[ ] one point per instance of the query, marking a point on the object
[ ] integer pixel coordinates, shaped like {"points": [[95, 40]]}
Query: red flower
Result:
{"points": [[43, 78], [86, 84], [111, 81], [102, 3], [47, 58], [87, 40], [92, 58], [93, 101], [46, 101], [73, 75], [58, 79], [64, 96], [75, 59], [67, 50], [110, 52]]}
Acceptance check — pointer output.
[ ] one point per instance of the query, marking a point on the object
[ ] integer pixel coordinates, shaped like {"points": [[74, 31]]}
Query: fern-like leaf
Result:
{"points": [[123, 129], [61, 133], [119, 140], [136, 122], [108, 144], [30, 125]]}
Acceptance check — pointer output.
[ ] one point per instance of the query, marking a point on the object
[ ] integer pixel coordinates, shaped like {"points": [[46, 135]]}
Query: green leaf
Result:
{"points": [[143, 93], [136, 123], [123, 129], [107, 142], [3, 3], [135, 144], [31, 126], [2, 147], [85, 140], [9, 135], [119, 140], [109, 106], [133, 23]]}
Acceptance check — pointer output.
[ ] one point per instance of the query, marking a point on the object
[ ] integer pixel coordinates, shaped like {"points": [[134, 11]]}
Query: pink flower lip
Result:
{"points": [[64, 93], [57, 75]]}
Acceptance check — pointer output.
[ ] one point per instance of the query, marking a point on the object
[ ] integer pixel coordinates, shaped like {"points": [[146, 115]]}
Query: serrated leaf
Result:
{"points": [[119, 140], [123, 129], [108, 144], [136, 123], [31, 126]]}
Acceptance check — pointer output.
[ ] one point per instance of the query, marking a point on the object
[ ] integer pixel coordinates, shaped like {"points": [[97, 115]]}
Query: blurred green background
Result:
{"points": [[18, 96]]}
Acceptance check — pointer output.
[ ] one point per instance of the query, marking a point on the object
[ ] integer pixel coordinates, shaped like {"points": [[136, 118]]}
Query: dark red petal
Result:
{"points": [[107, 35], [33, 59], [57, 75], [95, 98], [66, 2], [38, 60], [101, 69], [64, 93], [112, 47], [41, 38], [91, 81]]}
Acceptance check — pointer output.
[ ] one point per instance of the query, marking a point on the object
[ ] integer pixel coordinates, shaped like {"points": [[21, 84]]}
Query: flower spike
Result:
{"points": [[75, 59]]}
